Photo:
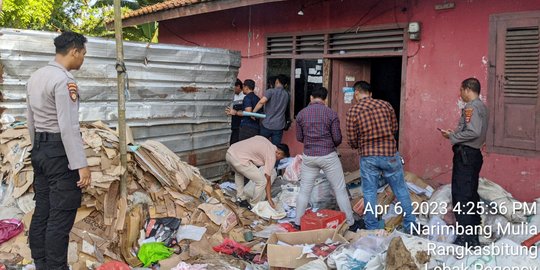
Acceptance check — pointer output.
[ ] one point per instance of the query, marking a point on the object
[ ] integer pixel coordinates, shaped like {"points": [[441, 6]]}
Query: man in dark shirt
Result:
{"points": [[317, 127], [237, 105], [371, 125], [249, 126], [275, 104]]}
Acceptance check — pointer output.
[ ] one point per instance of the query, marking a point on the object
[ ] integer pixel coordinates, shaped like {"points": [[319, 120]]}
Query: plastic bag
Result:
{"points": [[186, 266], [269, 230], [162, 229], [505, 260], [292, 173], [10, 228], [348, 259], [322, 195], [492, 192], [442, 195], [437, 222], [153, 252], [289, 194]]}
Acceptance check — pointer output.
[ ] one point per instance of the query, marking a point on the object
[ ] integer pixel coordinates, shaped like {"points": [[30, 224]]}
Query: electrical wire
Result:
{"points": [[357, 24], [178, 36], [416, 52]]}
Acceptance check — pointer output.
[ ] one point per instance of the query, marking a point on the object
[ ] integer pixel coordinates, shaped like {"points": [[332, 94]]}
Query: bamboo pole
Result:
{"points": [[121, 75]]}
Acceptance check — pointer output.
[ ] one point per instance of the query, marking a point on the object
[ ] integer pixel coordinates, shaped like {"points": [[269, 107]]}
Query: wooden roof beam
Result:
{"points": [[185, 11]]}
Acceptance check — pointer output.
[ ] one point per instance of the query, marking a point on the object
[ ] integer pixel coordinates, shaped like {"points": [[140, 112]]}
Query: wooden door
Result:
{"points": [[517, 121], [345, 72]]}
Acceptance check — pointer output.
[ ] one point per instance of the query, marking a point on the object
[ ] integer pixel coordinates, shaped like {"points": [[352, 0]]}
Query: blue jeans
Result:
{"points": [[391, 168], [274, 135]]}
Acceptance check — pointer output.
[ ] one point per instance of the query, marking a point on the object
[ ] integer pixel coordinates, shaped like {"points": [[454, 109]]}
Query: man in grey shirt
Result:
{"points": [[275, 103], [58, 157], [467, 139]]}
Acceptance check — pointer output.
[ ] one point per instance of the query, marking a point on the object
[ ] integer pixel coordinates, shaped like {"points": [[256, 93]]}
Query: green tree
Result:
{"points": [[31, 14], [83, 16]]}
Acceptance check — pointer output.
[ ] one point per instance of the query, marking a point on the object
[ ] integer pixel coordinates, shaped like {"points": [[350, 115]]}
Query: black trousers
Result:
{"points": [[57, 199], [467, 163], [235, 135], [248, 132]]}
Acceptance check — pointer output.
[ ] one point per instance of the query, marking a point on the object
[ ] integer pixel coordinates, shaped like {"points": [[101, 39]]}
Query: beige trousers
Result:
{"points": [[251, 172]]}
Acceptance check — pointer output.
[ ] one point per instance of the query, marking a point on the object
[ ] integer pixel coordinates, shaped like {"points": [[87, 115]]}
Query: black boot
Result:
{"points": [[358, 225], [472, 241], [460, 241]]}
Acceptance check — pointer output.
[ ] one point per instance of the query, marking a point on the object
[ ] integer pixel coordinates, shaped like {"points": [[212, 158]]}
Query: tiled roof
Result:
{"points": [[166, 5]]}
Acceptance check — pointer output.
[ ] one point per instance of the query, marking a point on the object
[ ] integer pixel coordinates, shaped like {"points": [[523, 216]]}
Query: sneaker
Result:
{"points": [[358, 225]]}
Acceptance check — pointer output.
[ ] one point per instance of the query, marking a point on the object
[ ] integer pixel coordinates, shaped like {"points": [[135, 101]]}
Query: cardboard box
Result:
{"points": [[288, 256], [358, 206], [413, 178], [355, 190], [386, 197], [352, 176]]}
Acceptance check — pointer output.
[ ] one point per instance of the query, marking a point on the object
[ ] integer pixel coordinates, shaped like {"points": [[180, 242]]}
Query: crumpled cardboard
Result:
{"points": [[159, 184], [220, 215], [291, 256]]}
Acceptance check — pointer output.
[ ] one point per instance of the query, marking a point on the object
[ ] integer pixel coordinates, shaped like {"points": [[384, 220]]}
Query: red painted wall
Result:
{"points": [[453, 46]]}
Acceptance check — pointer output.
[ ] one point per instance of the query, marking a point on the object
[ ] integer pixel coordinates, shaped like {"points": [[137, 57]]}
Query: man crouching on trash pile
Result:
{"points": [[245, 156]]}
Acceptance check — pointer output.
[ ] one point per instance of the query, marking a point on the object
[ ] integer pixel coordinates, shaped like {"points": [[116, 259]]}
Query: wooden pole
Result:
{"points": [[121, 75]]}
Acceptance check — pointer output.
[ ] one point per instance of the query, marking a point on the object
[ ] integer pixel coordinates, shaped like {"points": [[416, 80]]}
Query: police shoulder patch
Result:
{"points": [[468, 114], [72, 88]]}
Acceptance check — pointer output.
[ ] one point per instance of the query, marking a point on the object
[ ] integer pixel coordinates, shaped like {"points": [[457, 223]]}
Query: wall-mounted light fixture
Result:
{"points": [[414, 30], [301, 11]]}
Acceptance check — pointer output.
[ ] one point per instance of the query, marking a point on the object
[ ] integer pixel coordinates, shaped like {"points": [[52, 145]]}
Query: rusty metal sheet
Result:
{"points": [[177, 94]]}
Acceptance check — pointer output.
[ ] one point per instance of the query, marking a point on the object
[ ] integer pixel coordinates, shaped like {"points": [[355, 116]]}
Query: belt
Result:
{"points": [[462, 147], [48, 137], [464, 151]]}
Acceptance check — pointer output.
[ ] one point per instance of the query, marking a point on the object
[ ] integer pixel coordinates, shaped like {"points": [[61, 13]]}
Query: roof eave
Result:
{"points": [[185, 11]]}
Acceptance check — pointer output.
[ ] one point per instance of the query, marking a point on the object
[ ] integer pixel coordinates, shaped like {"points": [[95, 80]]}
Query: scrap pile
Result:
{"points": [[173, 216], [109, 227], [508, 232]]}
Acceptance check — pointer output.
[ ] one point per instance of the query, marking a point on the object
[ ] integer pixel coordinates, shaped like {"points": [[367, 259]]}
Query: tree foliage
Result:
{"points": [[33, 14], [84, 16]]}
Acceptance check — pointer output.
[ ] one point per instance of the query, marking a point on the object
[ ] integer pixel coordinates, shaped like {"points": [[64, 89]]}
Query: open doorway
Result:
{"points": [[384, 75], [386, 82]]}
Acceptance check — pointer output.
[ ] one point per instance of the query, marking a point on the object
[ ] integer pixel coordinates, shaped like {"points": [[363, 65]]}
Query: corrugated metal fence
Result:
{"points": [[177, 94]]}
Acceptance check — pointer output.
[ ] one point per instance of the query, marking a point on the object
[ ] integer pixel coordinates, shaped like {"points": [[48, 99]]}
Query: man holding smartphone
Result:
{"points": [[467, 139]]}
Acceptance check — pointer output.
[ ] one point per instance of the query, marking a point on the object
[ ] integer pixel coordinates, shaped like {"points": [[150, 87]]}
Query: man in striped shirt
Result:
{"points": [[371, 125], [317, 127]]}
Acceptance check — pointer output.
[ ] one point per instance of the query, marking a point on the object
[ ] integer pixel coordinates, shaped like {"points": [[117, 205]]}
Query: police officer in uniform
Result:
{"points": [[58, 157], [467, 139]]}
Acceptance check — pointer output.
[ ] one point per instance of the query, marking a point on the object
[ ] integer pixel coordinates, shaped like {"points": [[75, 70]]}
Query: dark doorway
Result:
{"points": [[386, 81], [384, 75]]}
